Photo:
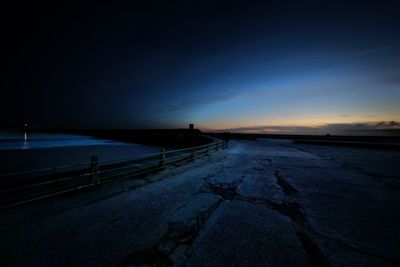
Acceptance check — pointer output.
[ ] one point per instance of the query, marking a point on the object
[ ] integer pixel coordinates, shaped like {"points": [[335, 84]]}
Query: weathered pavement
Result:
{"points": [[259, 203]]}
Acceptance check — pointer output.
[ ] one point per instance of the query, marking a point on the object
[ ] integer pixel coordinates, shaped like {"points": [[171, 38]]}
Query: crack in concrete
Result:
{"points": [[287, 188], [288, 209], [186, 234], [226, 192], [181, 236], [313, 253], [205, 229], [178, 234], [354, 248], [376, 176], [292, 209]]}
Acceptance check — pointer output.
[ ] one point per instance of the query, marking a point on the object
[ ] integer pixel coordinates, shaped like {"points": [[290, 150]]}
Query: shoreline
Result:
{"points": [[178, 138]]}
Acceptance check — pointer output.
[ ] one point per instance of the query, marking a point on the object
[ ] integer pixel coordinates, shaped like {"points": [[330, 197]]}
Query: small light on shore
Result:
{"points": [[25, 134]]}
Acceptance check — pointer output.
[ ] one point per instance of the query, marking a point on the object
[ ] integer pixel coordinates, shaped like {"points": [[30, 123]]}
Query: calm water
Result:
{"points": [[21, 140], [36, 151]]}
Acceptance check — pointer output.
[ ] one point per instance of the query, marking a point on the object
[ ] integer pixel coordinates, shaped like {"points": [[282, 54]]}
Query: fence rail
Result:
{"points": [[23, 187]]}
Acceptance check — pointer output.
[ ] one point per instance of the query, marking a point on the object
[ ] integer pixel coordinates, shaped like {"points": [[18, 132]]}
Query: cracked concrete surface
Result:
{"points": [[259, 203]]}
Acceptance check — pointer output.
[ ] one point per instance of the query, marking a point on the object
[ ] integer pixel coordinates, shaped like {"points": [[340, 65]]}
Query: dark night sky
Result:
{"points": [[279, 66]]}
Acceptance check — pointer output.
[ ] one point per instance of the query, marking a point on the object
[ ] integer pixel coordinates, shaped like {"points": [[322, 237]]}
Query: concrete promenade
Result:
{"points": [[257, 203]]}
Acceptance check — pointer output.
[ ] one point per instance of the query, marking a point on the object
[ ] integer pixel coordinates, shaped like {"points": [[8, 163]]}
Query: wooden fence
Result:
{"points": [[23, 187]]}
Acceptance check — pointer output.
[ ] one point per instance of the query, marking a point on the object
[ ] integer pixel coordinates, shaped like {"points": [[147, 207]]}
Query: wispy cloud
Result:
{"points": [[376, 50], [188, 104], [392, 77], [350, 58]]}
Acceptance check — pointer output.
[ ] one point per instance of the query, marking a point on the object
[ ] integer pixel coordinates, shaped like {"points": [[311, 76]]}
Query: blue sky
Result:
{"points": [[278, 66], [302, 90]]}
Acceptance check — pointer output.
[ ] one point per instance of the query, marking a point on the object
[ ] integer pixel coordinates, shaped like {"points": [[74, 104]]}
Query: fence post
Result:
{"points": [[94, 168], [162, 158], [192, 156]]}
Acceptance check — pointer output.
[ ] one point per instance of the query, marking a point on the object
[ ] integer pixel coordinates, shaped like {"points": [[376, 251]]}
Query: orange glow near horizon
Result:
{"points": [[274, 126]]}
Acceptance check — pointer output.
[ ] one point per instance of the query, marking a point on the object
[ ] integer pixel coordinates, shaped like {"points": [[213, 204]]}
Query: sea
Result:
{"points": [[21, 151], [14, 140]]}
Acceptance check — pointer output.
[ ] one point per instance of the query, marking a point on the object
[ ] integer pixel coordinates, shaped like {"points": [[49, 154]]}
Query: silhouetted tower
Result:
{"points": [[191, 126]]}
